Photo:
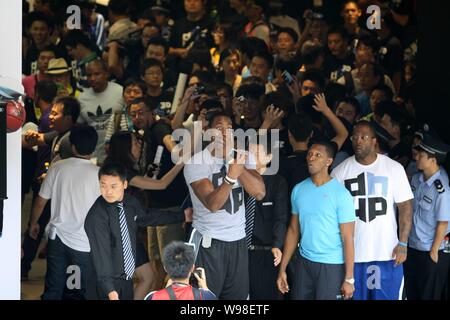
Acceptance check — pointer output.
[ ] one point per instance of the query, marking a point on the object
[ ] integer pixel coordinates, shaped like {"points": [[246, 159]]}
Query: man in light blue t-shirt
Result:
{"points": [[322, 209]]}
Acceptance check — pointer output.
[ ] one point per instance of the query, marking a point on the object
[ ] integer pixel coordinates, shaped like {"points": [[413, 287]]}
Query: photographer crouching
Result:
{"points": [[178, 260]]}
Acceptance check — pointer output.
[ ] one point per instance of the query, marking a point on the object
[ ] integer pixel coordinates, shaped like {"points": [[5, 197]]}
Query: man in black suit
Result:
{"points": [[113, 244], [111, 227], [265, 231]]}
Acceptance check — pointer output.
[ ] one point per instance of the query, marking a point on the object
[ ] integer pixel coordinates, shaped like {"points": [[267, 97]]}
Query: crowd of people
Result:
{"points": [[356, 207]]}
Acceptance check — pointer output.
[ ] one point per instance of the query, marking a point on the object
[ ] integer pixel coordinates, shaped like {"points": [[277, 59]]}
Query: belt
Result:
{"points": [[257, 247]]}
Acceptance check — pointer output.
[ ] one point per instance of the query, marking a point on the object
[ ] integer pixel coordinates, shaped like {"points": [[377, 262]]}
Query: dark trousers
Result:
{"points": [[226, 268], [263, 276], [67, 272], [317, 281], [425, 279], [290, 272], [124, 289], [29, 245], [29, 162]]}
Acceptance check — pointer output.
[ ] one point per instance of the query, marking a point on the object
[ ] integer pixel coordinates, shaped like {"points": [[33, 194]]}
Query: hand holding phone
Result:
{"points": [[287, 77]]}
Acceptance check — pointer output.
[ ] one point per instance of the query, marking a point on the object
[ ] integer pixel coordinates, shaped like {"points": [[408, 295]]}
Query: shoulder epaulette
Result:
{"points": [[439, 186]]}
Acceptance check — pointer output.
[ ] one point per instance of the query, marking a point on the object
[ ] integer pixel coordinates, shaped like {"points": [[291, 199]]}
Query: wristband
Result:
{"points": [[229, 180], [402, 244]]}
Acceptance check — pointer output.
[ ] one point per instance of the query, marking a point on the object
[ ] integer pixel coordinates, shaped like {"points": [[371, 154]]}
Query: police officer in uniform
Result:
{"points": [[426, 267]]}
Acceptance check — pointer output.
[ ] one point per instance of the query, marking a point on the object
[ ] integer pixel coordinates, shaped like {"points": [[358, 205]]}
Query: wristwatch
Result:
{"points": [[351, 281]]}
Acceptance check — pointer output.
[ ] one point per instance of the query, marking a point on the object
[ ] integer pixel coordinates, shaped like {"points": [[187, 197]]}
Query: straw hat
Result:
{"points": [[57, 66]]}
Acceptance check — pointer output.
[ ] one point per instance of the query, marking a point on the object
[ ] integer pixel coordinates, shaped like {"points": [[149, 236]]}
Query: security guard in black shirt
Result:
{"points": [[266, 222]]}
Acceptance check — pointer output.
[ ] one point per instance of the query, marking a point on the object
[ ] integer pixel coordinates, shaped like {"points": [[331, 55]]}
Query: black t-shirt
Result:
{"points": [[186, 33], [135, 54], [401, 152], [131, 174], [176, 192], [294, 168], [170, 78], [286, 148], [141, 195], [184, 30], [390, 55], [163, 101], [335, 68], [29, 65]]}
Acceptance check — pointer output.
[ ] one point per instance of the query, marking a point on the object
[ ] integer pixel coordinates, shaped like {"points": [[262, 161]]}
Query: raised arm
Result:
{"points": [[144, 182], [214, 198], [253, 183], [338, 126], [177, 121]]}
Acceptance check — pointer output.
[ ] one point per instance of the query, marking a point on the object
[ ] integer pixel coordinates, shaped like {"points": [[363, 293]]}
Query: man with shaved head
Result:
{"points": [[379, 187], [99, 102]]}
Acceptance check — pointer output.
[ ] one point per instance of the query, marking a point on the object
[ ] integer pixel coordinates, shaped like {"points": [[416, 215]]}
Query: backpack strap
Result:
{"points": [[117, 120], [197, 294], [171, 293]]}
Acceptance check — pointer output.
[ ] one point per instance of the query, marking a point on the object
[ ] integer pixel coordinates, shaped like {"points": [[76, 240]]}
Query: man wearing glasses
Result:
{"points": [[378, 185], [156, 133]]}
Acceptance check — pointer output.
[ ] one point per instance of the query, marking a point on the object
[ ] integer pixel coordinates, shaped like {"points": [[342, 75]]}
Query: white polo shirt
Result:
{"points": [[72, 185]]}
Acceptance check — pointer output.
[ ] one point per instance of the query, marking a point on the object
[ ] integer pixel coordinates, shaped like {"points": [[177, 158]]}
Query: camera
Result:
{"points": [[192, 280], [128, 41], [241, 99], [287, 77], [199, 89]]}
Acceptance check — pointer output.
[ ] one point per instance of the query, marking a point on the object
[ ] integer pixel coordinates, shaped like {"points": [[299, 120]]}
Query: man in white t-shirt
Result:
{"points": [[216, 184], [99, 102], [378, 185], [72, 196]]}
